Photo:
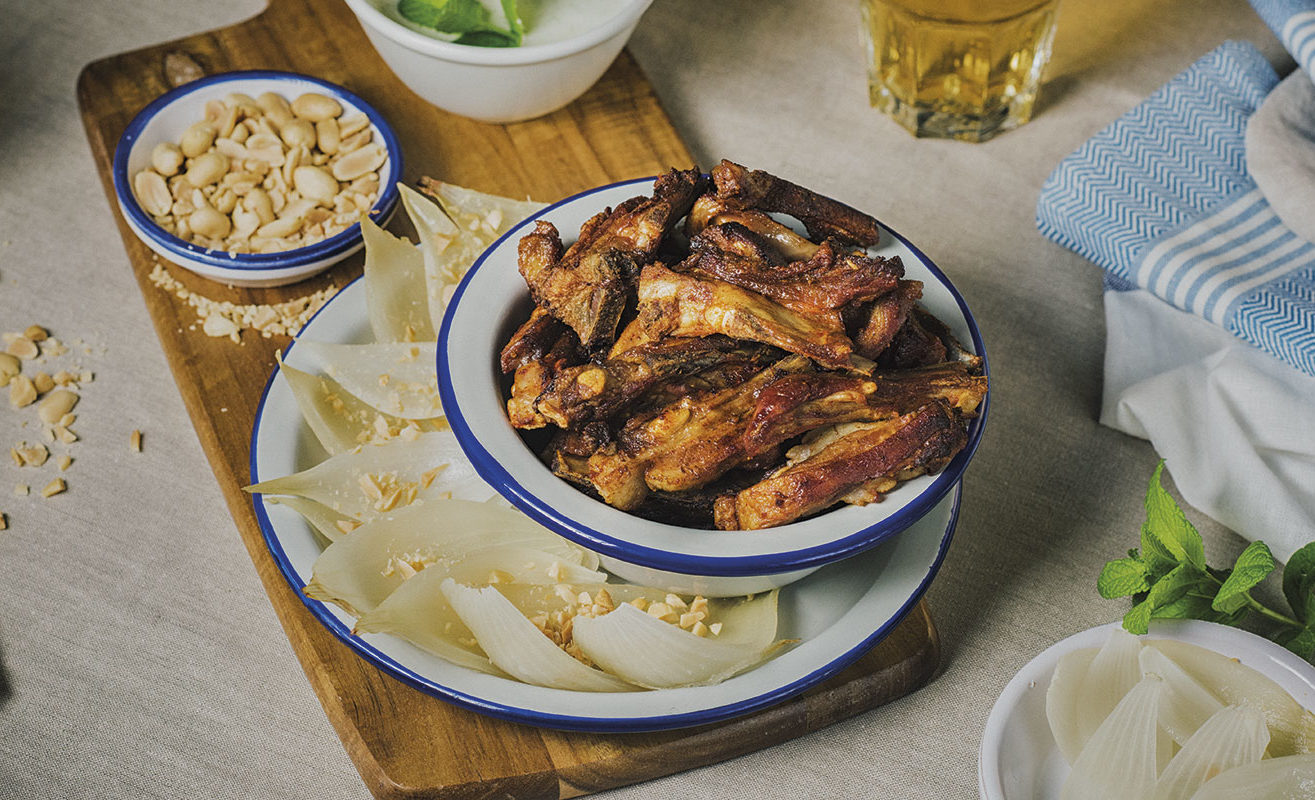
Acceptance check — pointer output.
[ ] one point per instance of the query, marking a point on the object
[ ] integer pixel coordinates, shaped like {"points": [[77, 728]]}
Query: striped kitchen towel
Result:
{"points": [[1293, 22], [1161, 200]]}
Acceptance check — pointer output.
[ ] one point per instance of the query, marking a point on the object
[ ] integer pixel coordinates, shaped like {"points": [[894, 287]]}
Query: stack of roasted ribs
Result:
{"points": [[734, 372]]}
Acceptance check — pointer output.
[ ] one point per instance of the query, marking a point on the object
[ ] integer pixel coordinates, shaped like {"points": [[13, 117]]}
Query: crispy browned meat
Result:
{"points": [[589, 284], [923, 440], [828, 280], [535, 376], [709, 211], [685, 444], [797, 404], [884, 317], [739, 188], [675, 304], [531, 341], [912, 346], [595, 392]]}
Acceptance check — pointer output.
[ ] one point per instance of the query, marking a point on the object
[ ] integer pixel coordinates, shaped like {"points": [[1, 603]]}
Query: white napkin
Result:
{"points": [[1236, 427]]}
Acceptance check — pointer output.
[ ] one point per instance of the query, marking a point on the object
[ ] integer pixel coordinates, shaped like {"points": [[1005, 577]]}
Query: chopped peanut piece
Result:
{"points": [[53, 488], [16, 456], [347, 525], [22, 347], [65, 435], [43, 382], [4, 523], [135, 441], [21, 391], [64, 463], [36, 333], [21, 490]]}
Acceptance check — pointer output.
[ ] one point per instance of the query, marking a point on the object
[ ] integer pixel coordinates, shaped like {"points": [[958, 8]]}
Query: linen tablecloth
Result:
{"points": [[140, 656]]}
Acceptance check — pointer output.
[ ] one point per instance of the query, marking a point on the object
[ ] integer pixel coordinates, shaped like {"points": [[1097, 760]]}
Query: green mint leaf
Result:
{"points": [[1301, 642], [489, 38], [1175, 583], [1138, 618], [1192, 605], [1157, 558], [1169, 524], [446, 16], [1255, 563], [1121, 578], [1299, 582], [513, 15]]}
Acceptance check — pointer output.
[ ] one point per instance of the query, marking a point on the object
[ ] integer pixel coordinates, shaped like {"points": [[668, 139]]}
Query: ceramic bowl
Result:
{"points": [[1019, 758], [165, 119], [501, 84], [492, 301]]}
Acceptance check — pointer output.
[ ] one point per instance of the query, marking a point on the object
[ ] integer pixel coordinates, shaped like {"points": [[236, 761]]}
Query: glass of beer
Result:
{"points": [[957, 69]]}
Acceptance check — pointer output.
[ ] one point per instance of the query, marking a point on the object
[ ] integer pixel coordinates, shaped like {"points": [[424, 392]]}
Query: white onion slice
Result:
{"points": [[1233, 736], [649, 652], [436, 234], [487, 214], [520, 649], [395, 287], [1291, 727], [1064, 700], [358, 571], [323, 519], [396, 378], [339, 421], [1113, 672], [419, 612], [1120, 758], [343, 482], [1186, 704], [1286, 778]]}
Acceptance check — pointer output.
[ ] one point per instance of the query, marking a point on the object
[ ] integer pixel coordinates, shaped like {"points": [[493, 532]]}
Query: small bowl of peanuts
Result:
{"points": [[256, 178]]}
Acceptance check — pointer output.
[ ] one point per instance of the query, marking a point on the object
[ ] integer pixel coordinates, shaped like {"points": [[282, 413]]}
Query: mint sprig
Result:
{"points": [[469, 20], [1169, 578]]}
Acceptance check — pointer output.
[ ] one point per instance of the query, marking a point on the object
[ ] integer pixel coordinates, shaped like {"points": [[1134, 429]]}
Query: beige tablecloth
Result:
{"points": [[140, 656]]}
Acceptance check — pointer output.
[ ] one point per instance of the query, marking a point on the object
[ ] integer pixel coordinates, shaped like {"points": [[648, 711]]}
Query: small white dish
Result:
{"points": [[837, 613], [1019, 758], [492, 300], [500, 84], [165, 119]]}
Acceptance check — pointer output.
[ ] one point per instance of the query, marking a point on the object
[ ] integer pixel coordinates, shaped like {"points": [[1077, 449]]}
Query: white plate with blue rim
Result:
{"points": [[837, 613]]}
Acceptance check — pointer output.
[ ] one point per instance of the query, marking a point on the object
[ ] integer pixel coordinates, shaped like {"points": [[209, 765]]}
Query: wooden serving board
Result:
{"points": [[407, 744]]}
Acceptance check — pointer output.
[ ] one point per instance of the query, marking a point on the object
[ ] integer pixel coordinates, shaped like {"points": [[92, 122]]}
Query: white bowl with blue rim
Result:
{"points": [[489, 304], [165, 118], [1019, 759]]}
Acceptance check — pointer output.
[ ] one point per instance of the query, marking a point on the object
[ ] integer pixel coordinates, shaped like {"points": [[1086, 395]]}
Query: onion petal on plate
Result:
{"points": [[520, 649], [339, 421], [1113, 672], [1120, 759], [1285, 778], [360, 483], [419, 612], [1186, 704], [437, 232], [648, 652], [397, 378], [1064, 700], [361, 569], [395, 287], [1291, 727], [487, 214], [1233, 736], [329, 524]]}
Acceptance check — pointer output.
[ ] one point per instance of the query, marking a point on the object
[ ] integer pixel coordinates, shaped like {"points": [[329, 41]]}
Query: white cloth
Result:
{"points": [[1236, 427], [1280, 148]]}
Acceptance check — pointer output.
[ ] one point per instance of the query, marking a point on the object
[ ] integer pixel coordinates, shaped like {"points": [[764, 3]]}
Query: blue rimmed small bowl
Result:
{"points": [[166, 117], [492, 301]]}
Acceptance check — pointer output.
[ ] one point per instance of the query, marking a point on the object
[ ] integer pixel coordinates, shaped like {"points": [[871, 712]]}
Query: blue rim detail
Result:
{"points": [[497, 476], [327, 248], [560, 721]]}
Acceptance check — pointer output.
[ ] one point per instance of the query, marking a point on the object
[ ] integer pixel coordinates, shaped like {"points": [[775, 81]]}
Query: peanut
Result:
{"points": [[359, 162], [327, 136], [9, 367], [167, 158], [152, 193], [209, 222], [315, 107], [298, 133], [207, 169], [315, 183], [197, 139], [56, 405]]}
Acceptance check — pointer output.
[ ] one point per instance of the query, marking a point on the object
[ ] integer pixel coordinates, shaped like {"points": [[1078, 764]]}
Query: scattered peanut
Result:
{"points": [[21, 490], [22, 347], [21, 391], [36, 333], [43, 382], [56, 405], [135, 441], [53, 488], [281, 175], [4, 523], [9, 367], [64, 462]]}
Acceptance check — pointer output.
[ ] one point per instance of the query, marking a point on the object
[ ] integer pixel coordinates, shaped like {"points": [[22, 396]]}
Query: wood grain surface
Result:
{"points": [[407, 744]]}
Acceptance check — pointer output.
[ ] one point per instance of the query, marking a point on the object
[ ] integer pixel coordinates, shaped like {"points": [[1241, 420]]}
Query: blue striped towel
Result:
{"points": [[1161, 200]]}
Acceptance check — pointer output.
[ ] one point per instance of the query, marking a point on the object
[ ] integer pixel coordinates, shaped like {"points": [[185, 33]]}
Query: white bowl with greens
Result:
{"points": [[499, 61]]}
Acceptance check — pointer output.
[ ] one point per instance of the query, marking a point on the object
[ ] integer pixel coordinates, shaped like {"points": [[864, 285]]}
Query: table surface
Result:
{"points": [[139, 656]]}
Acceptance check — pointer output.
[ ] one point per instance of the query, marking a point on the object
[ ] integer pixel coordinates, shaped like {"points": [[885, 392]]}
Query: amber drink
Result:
{"points": [[957, 69]]}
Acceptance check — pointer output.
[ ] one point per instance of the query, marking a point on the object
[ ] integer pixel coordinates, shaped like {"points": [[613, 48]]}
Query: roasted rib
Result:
{"points": [[920, 441], [739, 189], [883, 318], [588, 285]]}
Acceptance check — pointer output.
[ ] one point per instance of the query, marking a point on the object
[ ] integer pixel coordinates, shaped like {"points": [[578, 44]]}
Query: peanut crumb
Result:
{"points": [[4, 521], [64, 463], [222, 318], [135, 441], [21, 490], [53, 488], [36, 333]]}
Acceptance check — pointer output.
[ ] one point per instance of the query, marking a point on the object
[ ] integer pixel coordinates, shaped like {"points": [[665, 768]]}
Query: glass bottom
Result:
{"points": [[937, 123]]}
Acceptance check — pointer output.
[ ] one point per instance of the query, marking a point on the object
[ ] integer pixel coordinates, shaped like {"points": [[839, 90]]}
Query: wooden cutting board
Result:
{"points": [[407, 744]]}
